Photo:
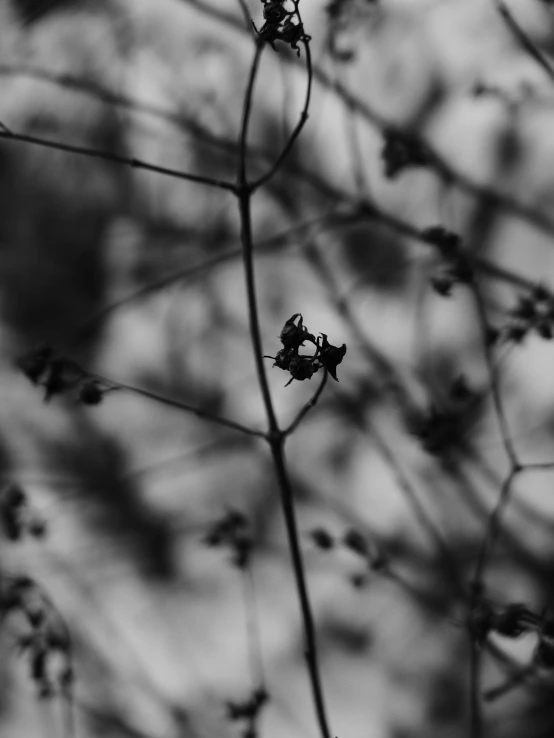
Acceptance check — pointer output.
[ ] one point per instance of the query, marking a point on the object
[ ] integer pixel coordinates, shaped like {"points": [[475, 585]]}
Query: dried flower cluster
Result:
{"points": [[534, 312], [17, 518], [402, 151], [248, 711], [281, 25], [41, 633], [512, 621], [356, 542], [457, 269], [302, 366], [45, 640], [444, 430], [232, 530], [58, 375]]}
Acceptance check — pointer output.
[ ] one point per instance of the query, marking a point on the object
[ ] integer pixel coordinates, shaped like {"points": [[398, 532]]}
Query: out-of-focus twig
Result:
{"points": [[524, 40]]}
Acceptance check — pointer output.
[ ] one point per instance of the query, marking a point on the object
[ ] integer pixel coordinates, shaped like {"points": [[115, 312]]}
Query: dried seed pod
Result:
{"points": [[91, 393], [322, 539]]}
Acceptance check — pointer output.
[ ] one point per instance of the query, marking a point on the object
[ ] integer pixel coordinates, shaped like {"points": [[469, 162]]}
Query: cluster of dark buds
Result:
{"points": [[17, 518], [512, 621], [232, 531], [446, 242], [444, 430], [457, 269], [355, 542], [302, 366], [483, 89], [58, 376], [248, 711], [281, 25], [438, 431], [402, 151], [534, 312], [322, 539], [509, 621], [45, 642]]}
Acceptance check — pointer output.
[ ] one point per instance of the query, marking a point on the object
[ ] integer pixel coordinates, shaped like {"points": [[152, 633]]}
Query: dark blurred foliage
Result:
{"points": [[98, 465], [375, 256], [33, 11]]}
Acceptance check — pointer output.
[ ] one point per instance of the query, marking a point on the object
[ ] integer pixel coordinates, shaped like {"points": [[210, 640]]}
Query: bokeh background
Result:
{"points": [[138, 278]]}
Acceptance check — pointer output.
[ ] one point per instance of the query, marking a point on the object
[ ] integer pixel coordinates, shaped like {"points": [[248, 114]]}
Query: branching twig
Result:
{"points": [[449, 173], [275, 436], [360, 210]]}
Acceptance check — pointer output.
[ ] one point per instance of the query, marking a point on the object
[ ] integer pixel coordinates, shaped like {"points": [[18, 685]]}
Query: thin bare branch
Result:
{"points": [[307, 407], [134, 163], [199, 412]]}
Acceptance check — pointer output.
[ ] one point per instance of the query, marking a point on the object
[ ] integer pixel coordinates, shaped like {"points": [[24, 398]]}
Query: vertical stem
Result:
{"points": [[255, 334], [312, 661], [244, 194], [275, 436], [276, 439], [242, 181]]}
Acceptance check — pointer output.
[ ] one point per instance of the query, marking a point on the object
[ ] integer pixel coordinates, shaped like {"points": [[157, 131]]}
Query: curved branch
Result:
{"points": [[299, 126], [307, 407]]}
